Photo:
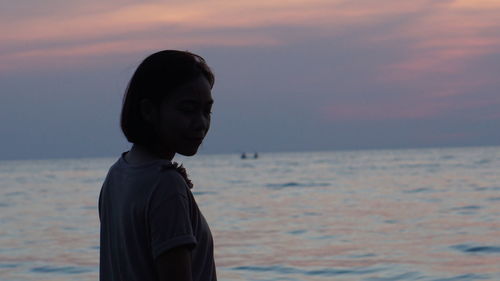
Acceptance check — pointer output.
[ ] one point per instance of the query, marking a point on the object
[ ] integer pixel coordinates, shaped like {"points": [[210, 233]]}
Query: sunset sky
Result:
{"points": [[292, 75]]}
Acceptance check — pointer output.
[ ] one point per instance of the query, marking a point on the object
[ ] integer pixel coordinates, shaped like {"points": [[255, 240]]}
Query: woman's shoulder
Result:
{"points": [[173, 179], [179, 171]]}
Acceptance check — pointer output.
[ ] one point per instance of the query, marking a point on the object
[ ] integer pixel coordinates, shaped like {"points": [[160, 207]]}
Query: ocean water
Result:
{"points": [[423, 214]]}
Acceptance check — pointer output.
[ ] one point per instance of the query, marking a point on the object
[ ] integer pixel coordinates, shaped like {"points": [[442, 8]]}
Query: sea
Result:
{"points": [[374, 215]]}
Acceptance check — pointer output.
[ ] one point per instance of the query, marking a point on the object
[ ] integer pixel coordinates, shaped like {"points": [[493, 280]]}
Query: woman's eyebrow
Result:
{"points": [[196, 102], [209, 102]]}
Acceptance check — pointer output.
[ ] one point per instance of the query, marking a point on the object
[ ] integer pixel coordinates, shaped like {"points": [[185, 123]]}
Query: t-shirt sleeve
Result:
{"points": [[170, 222]]}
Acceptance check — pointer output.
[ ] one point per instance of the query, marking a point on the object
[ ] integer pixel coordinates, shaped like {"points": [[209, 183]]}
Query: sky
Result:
{"points": [[295, 75]]}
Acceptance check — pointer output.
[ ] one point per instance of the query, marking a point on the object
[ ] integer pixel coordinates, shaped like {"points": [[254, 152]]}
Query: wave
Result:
{"points": [[475, 249], [294, 184], [62, 269]]}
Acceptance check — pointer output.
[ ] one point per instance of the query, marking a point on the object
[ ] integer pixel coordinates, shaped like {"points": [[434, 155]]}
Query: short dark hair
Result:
{"points": [[155, 78]]}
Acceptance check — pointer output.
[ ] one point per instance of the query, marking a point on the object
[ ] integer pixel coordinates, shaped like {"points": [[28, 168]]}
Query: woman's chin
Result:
{"points": [[188, 152]]}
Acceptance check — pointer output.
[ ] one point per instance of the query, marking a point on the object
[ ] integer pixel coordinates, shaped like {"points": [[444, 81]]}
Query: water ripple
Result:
{"points": [[297, 232], [419, 190], [8, 265], [316, 272], [474, 249], [468, 277], [404, 276], [469, 207], [204, 192], [61, 269], [466, 210], [294, 184]]}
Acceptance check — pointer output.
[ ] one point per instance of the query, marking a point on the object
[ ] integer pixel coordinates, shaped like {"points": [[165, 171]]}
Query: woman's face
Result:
{"points": [[184, 118]]}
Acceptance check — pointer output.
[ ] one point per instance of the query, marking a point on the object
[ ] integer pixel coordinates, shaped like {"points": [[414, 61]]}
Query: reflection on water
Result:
{"points": [[430, 214]]}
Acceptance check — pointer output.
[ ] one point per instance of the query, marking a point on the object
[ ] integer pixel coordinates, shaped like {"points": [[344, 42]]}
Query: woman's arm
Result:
{"points": [[175, 265]]}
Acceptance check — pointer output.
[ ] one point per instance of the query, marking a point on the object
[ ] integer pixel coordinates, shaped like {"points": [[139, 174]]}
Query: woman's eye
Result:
{"points": [[187, 108]]}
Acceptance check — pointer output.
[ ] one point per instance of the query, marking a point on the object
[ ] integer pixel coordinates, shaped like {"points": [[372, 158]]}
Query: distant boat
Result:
{"points": [[245, 156]]}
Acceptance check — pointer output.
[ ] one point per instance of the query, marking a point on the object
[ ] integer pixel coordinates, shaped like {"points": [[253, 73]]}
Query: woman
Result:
{"points": [[151, 227]]}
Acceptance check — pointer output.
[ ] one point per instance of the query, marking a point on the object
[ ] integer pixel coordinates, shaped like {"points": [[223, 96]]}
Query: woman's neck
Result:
{"points": [[139, 154]]}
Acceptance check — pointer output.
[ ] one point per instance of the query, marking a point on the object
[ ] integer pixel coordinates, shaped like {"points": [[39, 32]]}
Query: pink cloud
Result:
{"points": [[178, 22], [87, 54], [445, 40], [412, 108], [379, 111], [444, 35]]}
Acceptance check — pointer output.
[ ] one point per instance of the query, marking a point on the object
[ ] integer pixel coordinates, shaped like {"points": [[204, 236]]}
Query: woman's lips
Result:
{"points": [[195, 139]]}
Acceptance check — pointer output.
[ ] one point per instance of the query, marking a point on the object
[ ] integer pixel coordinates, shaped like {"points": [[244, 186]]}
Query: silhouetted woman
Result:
{"points": [[151, 227]]}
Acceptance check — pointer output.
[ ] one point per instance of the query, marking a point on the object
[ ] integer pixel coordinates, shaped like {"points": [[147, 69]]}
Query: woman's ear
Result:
{"points": [[148, 111]]}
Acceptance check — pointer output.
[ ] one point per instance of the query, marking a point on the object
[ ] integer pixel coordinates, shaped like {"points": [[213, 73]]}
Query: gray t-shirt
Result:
{"points": [[146, 210]]}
